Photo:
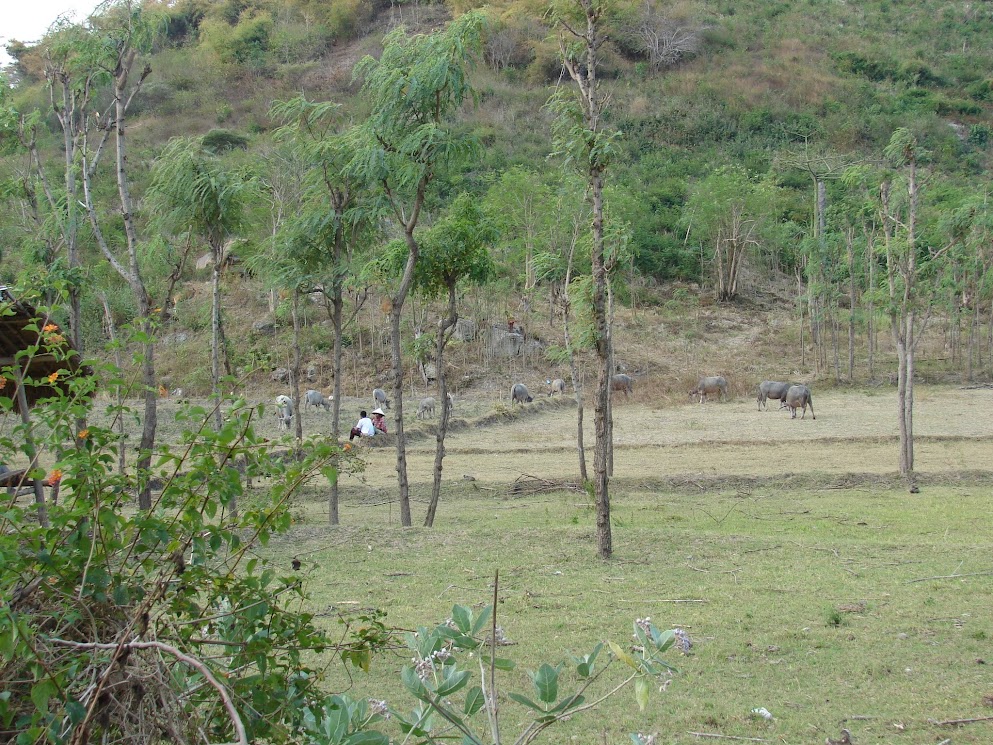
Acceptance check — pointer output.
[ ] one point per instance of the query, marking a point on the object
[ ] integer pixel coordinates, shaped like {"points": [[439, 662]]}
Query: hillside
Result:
{"points": [[750, 99]]}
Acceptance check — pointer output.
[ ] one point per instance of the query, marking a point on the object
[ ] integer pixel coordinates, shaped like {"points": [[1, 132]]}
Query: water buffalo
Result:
{"points": [[772, 389], [381, 400], [284, 411], [425, 408], [622, 382], [711, 386], [519, 394], [798, 396], [317, 400], [556, 386]]}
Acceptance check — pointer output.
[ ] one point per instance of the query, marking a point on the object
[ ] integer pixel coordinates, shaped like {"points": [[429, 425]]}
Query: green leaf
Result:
{"points": [[76, 711], [453, 683], [367, 738], [569, 702], [526, 701], [335, 723], [462, 617], [622, 655], [500, 663], [414, 684], [642, 686], [484, 616], [474, 701], [546, 683], [41, 692]]}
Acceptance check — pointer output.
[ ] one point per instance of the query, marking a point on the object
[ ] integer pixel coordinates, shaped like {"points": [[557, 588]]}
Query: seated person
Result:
{"points": [[379, 421], [363, 428]]}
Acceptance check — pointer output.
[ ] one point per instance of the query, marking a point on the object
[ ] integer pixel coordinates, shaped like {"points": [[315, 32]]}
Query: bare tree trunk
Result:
{"points": [[215, 334], [850, 247], [871, 308], [336, 305], [295, 369], [577, 381], [444, 333], [119, 393], [397, 362]]}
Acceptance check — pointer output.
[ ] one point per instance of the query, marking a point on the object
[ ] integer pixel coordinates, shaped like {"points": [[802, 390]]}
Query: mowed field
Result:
{"points": [[855, 432], [810, 581]]}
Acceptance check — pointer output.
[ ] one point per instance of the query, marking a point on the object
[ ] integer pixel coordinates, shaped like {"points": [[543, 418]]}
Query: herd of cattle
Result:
{"points": [[790, 396]]}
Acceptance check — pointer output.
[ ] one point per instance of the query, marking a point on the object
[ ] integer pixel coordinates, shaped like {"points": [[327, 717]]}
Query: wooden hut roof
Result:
{"points": [[19, 330]]}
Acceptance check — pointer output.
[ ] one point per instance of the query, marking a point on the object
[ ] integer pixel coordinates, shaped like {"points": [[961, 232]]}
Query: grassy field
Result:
{"points": [[810, 582]]}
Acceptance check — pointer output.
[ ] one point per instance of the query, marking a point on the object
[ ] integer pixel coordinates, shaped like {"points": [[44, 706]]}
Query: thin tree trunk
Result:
{"points": [[215, 335], [119, 393], [447, 324], [871, 308], [336, 305], [397, 363], [850, 247], [295, 370]]}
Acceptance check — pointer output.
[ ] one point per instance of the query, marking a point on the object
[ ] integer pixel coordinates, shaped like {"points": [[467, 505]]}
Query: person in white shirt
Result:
{"points": [[363, 428]]}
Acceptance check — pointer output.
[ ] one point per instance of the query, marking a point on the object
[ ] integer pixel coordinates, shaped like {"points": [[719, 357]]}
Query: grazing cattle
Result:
{"points": [[284, 411], [519, 394], [710, 387], [798, 396], [425, 408], [556, 386], [772, 389], [622, 382], [317, 400], [381, 400], [451, 403]]}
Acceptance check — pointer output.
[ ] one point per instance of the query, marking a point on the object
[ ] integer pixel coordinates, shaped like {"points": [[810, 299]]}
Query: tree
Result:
{"points": [[582, 135], [127, 33], [454, 250], [662, 36], [903, 275], [415, 87], [193, 191], [728, 210], [330, 222]]}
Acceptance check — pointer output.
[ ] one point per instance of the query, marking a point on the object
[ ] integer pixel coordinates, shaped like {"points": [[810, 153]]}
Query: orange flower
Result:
{"points": [[83, 434], [50, 328], [347, 446], [54, 477], [3, 382], [53, 377], [55, 339]]}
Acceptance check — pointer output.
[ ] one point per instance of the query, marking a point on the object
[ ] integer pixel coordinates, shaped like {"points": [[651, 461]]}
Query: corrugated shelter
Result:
{"points": [[21, 329]]}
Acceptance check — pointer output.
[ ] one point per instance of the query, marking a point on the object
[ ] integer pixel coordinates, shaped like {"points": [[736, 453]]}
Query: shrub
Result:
{"points": [[222, 140], [119, 622]]}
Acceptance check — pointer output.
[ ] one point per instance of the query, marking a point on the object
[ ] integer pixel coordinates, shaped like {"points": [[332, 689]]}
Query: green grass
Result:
{"points": [[813, 604]]}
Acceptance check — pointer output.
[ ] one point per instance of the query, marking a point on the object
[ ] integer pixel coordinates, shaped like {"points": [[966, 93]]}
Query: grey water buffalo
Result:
{"points": [[317, 400], [380, 395], [711, 386], [519, 394], [556, 386], [772, 389], [451, 403], [798, 397], [425, 408], [622, 382], [284, 411]]}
